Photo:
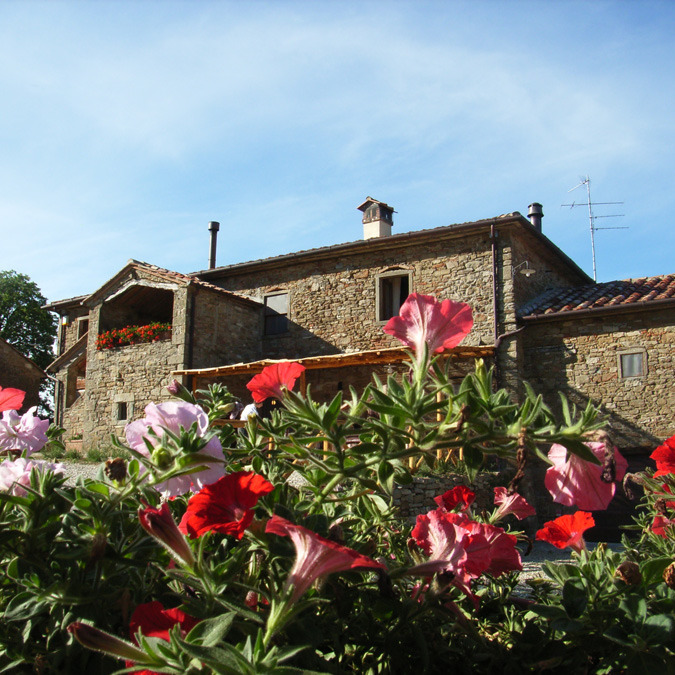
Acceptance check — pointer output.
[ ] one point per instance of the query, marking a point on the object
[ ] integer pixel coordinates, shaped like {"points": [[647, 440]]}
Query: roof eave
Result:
{"points": [[651, 305]]}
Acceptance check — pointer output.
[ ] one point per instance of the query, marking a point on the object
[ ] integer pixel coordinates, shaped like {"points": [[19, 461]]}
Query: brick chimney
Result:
{"points": [[377, 218]]}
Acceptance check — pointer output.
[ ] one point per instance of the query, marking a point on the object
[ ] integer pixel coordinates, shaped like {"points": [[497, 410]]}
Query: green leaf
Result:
{"points": [[574, 598], [211, 631], [652, 570]]}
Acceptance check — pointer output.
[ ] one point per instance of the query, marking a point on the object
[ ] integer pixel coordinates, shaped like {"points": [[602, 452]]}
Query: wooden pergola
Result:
{"points": [[372, 357]]}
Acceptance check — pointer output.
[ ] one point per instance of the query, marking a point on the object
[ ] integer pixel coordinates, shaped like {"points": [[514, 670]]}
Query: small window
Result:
{"points": [[82, 327], [632, 364], [122, 411], [276, 314], [393, 289]]}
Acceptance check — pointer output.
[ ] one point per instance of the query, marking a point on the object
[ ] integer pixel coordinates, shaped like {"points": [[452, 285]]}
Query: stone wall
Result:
{"points": [[225, 330], [333, 302], [418, 497], [580, 358]]}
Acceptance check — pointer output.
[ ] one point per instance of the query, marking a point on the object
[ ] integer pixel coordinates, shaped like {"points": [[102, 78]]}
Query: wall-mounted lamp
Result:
{"points": [[527, 270], [65, 320]]}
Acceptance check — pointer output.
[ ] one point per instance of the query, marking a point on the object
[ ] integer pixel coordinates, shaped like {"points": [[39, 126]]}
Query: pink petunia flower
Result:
{"points": [[567, 531], [15, 474], [422, 319], [316, 557], [22, 433], [273, 380], [445, 543], [574, 481], [225, 506], [512, 503], [174, 416], [11, 399], [458, 498], [664, 456]]}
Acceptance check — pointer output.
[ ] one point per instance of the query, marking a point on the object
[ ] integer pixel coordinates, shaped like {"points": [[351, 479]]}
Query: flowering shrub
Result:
{"points": [[132, 335], [296, 559]]}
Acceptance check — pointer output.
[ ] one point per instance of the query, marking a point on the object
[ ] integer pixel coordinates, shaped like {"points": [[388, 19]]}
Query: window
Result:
{"points": [[392, 290], [122, 411], [275, 314], [82, 327], [632, 363]]}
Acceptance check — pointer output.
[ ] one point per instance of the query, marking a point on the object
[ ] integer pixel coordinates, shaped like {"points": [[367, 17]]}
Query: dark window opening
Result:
{"points": [[393, 292], [122, 411], [82, 327]]}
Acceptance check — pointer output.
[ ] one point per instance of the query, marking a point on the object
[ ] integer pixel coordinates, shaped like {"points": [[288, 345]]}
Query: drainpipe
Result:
{"points": [[191, 333], [495, 288]]}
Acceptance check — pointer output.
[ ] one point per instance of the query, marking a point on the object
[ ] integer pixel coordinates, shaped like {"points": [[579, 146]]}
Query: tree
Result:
{"points": [[23, 321]]}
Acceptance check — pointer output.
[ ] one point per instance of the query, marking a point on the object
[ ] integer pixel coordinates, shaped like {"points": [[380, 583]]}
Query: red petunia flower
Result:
{"points": [[273, 380], [154, 621], [422, 319], [459, 496], [225, 506], [511, 504], [11, 399], [664, 456], [316, 557], [567, 530], [574, 481], [661, 526]]}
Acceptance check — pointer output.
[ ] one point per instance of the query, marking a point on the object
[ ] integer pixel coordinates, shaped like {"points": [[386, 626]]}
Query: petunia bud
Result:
{"points": [[159, 523], [629, 573], [100, 641], [669, 575], [161, 457]]}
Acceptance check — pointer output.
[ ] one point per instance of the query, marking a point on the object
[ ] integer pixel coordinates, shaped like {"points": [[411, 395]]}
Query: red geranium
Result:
{"points": [[274, 379], [11, 399], [459, 496], [226, 505], [567, 530], [422, 319], [664, 456]]}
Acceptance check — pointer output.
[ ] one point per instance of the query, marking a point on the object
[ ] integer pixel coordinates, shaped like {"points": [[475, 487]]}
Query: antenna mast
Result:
{"points": [[591, 217]]}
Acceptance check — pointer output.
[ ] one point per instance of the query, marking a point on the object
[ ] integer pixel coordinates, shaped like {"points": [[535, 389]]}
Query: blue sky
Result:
{"points": [[126, 126]]}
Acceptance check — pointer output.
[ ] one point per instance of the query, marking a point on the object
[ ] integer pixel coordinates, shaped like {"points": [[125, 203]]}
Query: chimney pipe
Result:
{"points": [[214, 226], [535, 214]]}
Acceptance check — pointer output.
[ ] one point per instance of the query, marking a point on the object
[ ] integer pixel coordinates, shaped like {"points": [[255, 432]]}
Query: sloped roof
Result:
{"points": [[166, 275], [73, 352], [27, 361], [624, 295], [401, 239]]}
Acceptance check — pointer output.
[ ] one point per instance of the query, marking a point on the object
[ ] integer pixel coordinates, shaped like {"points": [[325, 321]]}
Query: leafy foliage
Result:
{"points": [[23, 322], [76, 554]]}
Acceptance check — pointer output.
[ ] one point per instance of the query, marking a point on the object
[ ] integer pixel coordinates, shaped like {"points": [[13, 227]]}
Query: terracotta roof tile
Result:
{"points": [[606, 294]]}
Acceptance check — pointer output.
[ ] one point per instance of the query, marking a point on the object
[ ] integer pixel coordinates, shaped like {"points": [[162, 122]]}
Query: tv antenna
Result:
{"points": [[591, 216]]}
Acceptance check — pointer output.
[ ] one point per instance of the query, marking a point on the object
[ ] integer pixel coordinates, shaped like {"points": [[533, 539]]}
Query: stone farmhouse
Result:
{"points": [[537, 317]]}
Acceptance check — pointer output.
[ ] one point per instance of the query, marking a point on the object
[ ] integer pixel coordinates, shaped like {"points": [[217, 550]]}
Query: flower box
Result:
{"points": [[132, 335]]}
